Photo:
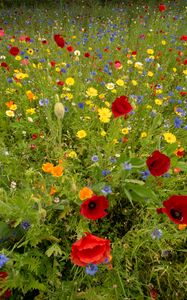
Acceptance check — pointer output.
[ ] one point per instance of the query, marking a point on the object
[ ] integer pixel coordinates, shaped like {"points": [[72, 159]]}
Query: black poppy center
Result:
{"points": [[176, 214], [92, 205], [152, 165]]}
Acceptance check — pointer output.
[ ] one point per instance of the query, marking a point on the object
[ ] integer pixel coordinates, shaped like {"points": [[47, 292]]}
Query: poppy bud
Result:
{"points": [[59, 110]]}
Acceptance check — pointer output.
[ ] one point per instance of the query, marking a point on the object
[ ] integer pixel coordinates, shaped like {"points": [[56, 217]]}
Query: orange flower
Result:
{"points": [[182, 226], [57, 171], [177, 170], [180, 152], [9, 104], [53, 190], [85, 193], [30, 95], [47, 168]]}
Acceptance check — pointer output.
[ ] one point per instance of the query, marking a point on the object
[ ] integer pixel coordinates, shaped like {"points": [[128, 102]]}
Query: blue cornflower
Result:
{"points": [[166, 175], [105, 172], [156, 234], [9, 80], [145, 174], [63, 70], [3, 260], [81, 105], [177, 122], [179, 88], [91, 269], [95, 158], [127, 166], [44, 102], [112, 159], [181, 111], [171, 100], [106, 190], [25, 225]]}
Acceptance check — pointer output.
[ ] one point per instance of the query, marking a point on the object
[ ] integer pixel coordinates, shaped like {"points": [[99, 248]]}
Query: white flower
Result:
{"points": [[13, 185], [77, 53]]}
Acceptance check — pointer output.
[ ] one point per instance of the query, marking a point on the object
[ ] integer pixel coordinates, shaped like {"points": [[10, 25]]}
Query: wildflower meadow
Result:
{"points": [[93, 150]]}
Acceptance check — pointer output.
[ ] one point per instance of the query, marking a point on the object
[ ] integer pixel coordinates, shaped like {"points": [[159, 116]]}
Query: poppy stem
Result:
{"points": [[139, 166], [59, 131]]}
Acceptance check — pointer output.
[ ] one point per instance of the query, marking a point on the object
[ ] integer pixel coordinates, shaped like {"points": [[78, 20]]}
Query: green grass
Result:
{"points": [[39, 265]]}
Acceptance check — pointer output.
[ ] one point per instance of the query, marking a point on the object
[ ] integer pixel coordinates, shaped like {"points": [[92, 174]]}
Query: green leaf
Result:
{"points": [[129, 196], [182, 165], [4, 230], [171, 148], [141, 191], [53, 250], [140, 182], [157, 121]]}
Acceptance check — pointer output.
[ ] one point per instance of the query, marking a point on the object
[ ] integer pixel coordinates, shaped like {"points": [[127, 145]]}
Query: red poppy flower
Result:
{"points": [[27, 39], [180, 153], [34, 136], [158, 163], [8, 293], [87, 54], [183, 38], [44, 42], [69, 48], [60, 82], [183, 93], [90, 250], [59, 40], [94, 208], [53, 63], [121, 106], [162, 7], [14, 51], [175, 208], [117, 64], [4, 65]]}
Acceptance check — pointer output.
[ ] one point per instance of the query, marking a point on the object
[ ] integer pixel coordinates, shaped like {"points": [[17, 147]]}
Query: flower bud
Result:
{"points": [[59, 110]]}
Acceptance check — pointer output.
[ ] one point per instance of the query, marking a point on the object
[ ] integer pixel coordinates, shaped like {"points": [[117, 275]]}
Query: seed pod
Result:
{"points": [[59, 110]]}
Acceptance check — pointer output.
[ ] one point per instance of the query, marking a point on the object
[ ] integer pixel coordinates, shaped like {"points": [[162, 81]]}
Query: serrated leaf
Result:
{"points": [[53, 250]]}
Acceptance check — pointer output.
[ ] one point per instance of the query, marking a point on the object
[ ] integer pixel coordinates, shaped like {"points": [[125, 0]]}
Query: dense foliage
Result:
{"points": [[93, 193]]}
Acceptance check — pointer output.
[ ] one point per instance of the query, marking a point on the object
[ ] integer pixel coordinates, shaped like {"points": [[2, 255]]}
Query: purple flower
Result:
{"points": [[91, 269], [44, 102], [81, 105], [25, 225], [95, 158], [145, 174], [106, 190], [156, 234], [127, 166], [105, 172], [3, 260]]}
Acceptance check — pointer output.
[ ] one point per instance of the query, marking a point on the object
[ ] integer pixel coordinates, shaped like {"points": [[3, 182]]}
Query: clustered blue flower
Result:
{"points": [[91, 269], [3, 260]]}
